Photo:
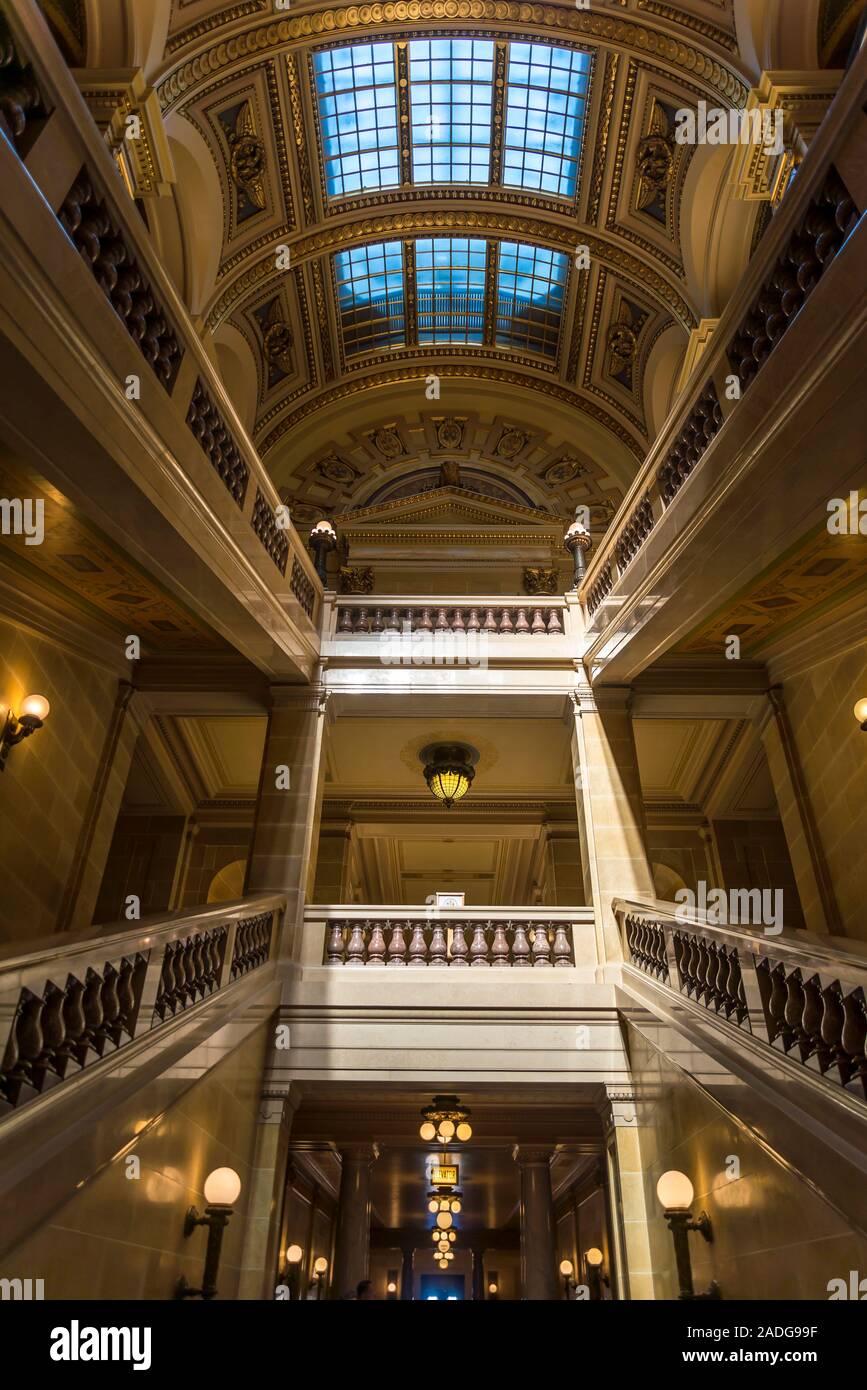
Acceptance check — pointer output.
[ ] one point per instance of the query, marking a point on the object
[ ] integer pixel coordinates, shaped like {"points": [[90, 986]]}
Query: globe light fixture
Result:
{"points": [[222, 1188], [445, 1119], [596, 1276], [578, 542], [861, 714], [428, 1132], [293, 1255], [391, 1287], [449, 770], [433, 1205], [567, 1269], [593, 1256], [35, 709], [675, 1193], [322, 540], [443, 1263], [444, 1220]]}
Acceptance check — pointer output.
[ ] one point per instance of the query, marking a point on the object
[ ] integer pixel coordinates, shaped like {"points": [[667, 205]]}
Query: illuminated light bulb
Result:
{"points": [[442, 1245], [675, 1191], [452, 1235], [444, 1220], [456, 1206], [444, 1204], [493, 1288], [36, 707], [222, 1187], [861, 711], [443, 1264], [433, 1205], [449, 1255], [293, 1254], [391, 1287], [428, 1131], [446, 1129], [436, 1235], [464, 1132], [320, 1265], [593, 1256], [566, 1268]]}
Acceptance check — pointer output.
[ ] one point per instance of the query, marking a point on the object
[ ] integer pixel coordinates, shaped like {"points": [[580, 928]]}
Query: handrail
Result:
{"points": [[801, 994], [699, 414], [76, 999], [500, 616], [92, 209]]}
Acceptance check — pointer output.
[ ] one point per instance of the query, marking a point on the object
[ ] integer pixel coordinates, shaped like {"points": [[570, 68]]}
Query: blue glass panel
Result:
{"points": [[357, 95], [370, 296], [450, 283], [546, 97], [451, 99], [530, 296]]}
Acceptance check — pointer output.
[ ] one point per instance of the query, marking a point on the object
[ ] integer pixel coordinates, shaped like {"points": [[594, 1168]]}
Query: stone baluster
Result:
{"points": [[458, 624], [355, 949], [506, 624], [460, 949], [538, 628], [392, 621], [335, 944], [490, 623], [500, 946], [562, 948], [438, 947], [376, 946], [397, 946], [418, 946], [521, 624], [541, 945], [377, 624], [345, 623], [424, 622], [442, 622], [479, 948], [363, 624], [520, 946], [555, 627], [473, 624]]}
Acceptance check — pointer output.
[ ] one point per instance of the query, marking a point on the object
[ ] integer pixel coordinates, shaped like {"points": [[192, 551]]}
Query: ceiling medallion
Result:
{"points": [[247, 157], [564, 470], [336, 469], [446, 1120], [450, 432], [511, 442], [449, 771], [387, 441]]}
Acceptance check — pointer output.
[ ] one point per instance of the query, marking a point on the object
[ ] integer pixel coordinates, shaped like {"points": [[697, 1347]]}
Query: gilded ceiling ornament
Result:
{"points": [[354, 579], [247, 157], [564, 470], [336, 469], [450, 474], [277, 344], [450, 432], [622, 339], [511, 442], [387, 441]]}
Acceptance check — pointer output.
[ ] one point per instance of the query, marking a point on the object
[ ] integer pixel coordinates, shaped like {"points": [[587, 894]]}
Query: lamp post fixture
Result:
{"points": [[322, 540], [34, 712], [320, 1266], [221, 1192], [675, 1192], [446, 1120], [578, 542], [596, 1275], [567, 1270], [294, 1255], [861, 714]]}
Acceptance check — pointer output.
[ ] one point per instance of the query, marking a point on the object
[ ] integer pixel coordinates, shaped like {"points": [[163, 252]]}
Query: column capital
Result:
{"points": [[358, 1153], [528, 1154], [277, 1107], [616, 1105], [299, 697], [588, 699]]}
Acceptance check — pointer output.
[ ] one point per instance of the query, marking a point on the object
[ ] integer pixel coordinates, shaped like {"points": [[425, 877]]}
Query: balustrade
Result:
{"points": [[514, 619], [490, 944]]}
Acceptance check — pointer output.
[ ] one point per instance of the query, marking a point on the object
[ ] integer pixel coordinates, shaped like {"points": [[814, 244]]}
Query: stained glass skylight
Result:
{"points": [[450, 281], [530, 297], [358, 117], [448, 98], [370, 296], [451, 102], [546, 98]]}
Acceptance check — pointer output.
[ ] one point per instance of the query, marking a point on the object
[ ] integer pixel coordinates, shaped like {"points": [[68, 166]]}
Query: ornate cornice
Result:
{"points": [[623, 32]]}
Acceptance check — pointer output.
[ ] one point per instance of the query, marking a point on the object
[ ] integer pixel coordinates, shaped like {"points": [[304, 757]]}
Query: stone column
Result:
{"points": [[264, 1210], [810, 867], [610, 808], [406, 1274], [539, 1278], [352, 1236], [283, 851], [478, 1274], [633, 1269]]}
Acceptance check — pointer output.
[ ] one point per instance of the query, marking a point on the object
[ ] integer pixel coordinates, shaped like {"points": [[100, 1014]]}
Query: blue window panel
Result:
{"points": [[451, 102], [546, 99], [531, 290], [370, 297], [357, 96], [450, 286]]}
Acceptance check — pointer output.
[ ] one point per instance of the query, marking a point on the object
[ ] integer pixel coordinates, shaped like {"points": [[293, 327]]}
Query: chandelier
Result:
{"points": [[448, 770], [446, 1119], [447, 1200], [443, 1241]]}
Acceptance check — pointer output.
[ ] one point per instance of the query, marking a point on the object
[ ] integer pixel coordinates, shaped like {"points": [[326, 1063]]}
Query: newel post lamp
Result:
{"points": [[675, 1192], [578, 542], [222, 1188], [322, 540]]}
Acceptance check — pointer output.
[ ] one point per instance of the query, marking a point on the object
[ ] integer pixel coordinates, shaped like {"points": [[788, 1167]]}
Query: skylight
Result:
{"points": [[453, 138], [530, 297], [546, 96], [370, 296], [450, 278], [451, 100], [358, 117]]}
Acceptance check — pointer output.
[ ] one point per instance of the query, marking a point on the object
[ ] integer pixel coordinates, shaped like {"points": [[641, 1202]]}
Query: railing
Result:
{"points": [[76, 1000], [814, 220], [800, 994], [489, 616], [423, 938], [40, 101]]}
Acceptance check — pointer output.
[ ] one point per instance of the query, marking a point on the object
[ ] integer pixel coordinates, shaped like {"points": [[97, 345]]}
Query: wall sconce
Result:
{"points": [[391, 1286], [294, 1254], [567, 1270], [320, 1268], [34, 712], [221, 1192], [861, 714], [322, 540], [596, 1276], [675, 1192], [578, 542], [493, 1287]]}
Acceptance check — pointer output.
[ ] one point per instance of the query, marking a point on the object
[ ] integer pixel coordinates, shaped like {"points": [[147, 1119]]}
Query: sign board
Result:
{"points": [[451, 899], [447, 1177]]}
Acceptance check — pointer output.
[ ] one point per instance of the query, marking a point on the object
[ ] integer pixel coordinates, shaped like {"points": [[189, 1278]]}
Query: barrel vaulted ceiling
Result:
{"points": [[370, 195]]}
